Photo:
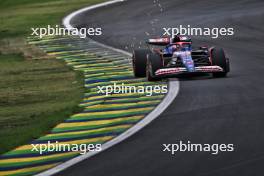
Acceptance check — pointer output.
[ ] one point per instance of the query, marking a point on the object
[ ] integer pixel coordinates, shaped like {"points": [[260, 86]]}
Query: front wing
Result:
{"points": [[180, 70]]}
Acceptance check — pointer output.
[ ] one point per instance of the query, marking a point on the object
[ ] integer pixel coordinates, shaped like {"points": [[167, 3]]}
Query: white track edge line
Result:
{"points": [[173, 91]]}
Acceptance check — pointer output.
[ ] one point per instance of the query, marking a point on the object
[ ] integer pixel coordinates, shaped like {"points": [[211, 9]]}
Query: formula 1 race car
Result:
{"points": [[177, 58]]}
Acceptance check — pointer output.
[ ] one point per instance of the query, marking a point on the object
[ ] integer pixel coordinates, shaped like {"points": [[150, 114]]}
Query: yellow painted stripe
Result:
{"points": [[111, 112], [99, 122], [64, 52], [75, 55], [30, 159], [108, 74], [125, 99], [133, 82], [84, 141], [127, 82], [112, 95], [107, 64], [87, 131], [122, 105], [26, 170], [106, 69]]}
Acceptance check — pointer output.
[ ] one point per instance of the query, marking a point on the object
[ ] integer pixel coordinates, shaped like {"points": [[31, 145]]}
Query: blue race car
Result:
{"points": [[176, 58]]}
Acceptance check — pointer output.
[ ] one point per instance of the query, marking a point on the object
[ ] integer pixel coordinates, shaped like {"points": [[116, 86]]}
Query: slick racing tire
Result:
{"points": [[154, 62], [219, 59], [139, 60]]}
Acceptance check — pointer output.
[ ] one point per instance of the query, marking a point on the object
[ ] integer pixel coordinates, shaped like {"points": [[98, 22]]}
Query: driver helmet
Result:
{"points": [[176, 39]]}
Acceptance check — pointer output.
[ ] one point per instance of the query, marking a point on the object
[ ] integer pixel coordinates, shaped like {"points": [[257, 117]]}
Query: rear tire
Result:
{"points": [[219, 59], [154, 62], [139, 60]]}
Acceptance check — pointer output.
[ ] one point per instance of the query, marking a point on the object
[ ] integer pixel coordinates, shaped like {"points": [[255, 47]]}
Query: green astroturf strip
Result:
{"points": [[134, 82], [122, 107], [126, 80], [36, 171], [101, 69], [115, 97], [75, 56], [80, 57], [125, 75], [104, 70], [65, 53], [40, 160], [93, 85], [90, 116], [112, 77], [93, 65], [92, 76], [87, 110], [65, 136], [85, 62], [124, 100], [89, 127], [91, 103], [126, 93], [26, 173]]}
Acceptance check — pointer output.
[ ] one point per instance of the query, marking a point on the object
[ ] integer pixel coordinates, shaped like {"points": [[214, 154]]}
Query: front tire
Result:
{"points": [[154, 62], [139, 60], [219, 59]]}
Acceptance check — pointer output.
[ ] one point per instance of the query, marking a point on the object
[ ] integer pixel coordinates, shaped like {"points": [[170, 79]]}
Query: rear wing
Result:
{"points": [[159, 41]]}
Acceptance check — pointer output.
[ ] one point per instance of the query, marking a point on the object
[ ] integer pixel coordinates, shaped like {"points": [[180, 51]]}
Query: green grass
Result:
{"points": [[35, 94], [17, 17]]}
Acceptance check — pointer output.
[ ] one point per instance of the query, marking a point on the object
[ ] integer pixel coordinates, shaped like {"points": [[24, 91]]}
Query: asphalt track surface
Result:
{"points": [[226, 110]]}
